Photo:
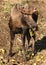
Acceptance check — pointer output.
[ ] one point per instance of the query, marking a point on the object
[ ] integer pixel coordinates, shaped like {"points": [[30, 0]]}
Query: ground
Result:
{"points": [[17, 59]]}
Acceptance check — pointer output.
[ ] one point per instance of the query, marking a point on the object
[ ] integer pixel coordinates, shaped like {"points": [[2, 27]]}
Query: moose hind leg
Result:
{"points": [[12, 34]]}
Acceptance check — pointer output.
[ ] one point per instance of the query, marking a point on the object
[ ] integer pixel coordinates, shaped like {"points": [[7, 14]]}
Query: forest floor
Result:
{"points": [[17, 59]]}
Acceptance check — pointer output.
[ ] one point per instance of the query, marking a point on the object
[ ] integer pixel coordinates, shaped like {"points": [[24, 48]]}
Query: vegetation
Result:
{"points": [[17, 59]]}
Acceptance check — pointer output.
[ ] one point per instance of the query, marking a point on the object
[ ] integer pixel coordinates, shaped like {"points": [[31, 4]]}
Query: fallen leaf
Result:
{"points": [[34, 64]]}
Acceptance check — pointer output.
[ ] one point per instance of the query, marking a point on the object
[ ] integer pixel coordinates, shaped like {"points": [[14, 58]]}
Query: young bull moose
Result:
{"points": [[21, 22]]}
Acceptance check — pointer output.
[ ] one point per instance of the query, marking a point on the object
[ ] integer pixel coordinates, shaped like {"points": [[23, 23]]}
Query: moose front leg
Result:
{"points": [[23, 47], [32, 34], [33, 44], [12, 35]]}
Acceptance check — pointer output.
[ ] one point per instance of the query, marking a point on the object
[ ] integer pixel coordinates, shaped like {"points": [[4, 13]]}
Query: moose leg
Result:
{"points": [[33, 46], [33, 42], [12, 34], [23, 42], [27, 39]]}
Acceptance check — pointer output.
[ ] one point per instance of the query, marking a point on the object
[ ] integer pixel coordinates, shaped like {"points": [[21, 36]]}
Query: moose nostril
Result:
{"points": [[34, 29]]}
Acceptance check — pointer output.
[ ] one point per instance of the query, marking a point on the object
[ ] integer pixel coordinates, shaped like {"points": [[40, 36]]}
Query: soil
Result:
{"points": [[40, 45]]}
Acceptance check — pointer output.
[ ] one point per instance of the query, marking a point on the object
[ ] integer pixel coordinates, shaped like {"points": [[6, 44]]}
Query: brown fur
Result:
{"points": [[21, 23]]}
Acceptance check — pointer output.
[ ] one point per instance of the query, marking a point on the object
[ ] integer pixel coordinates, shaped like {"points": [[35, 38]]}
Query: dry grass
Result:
{"points": [[40, 58]]}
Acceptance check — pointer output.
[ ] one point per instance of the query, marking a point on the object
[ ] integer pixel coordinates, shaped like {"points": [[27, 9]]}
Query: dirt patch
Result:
{"points": [[17, 59]]}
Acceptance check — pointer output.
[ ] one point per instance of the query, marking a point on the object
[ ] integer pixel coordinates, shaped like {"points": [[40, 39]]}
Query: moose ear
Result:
{"points": [[18, 6], [35, 16]]}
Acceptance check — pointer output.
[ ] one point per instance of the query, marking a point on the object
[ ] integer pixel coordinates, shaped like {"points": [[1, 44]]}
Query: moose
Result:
{"points": [[20, 22]]}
